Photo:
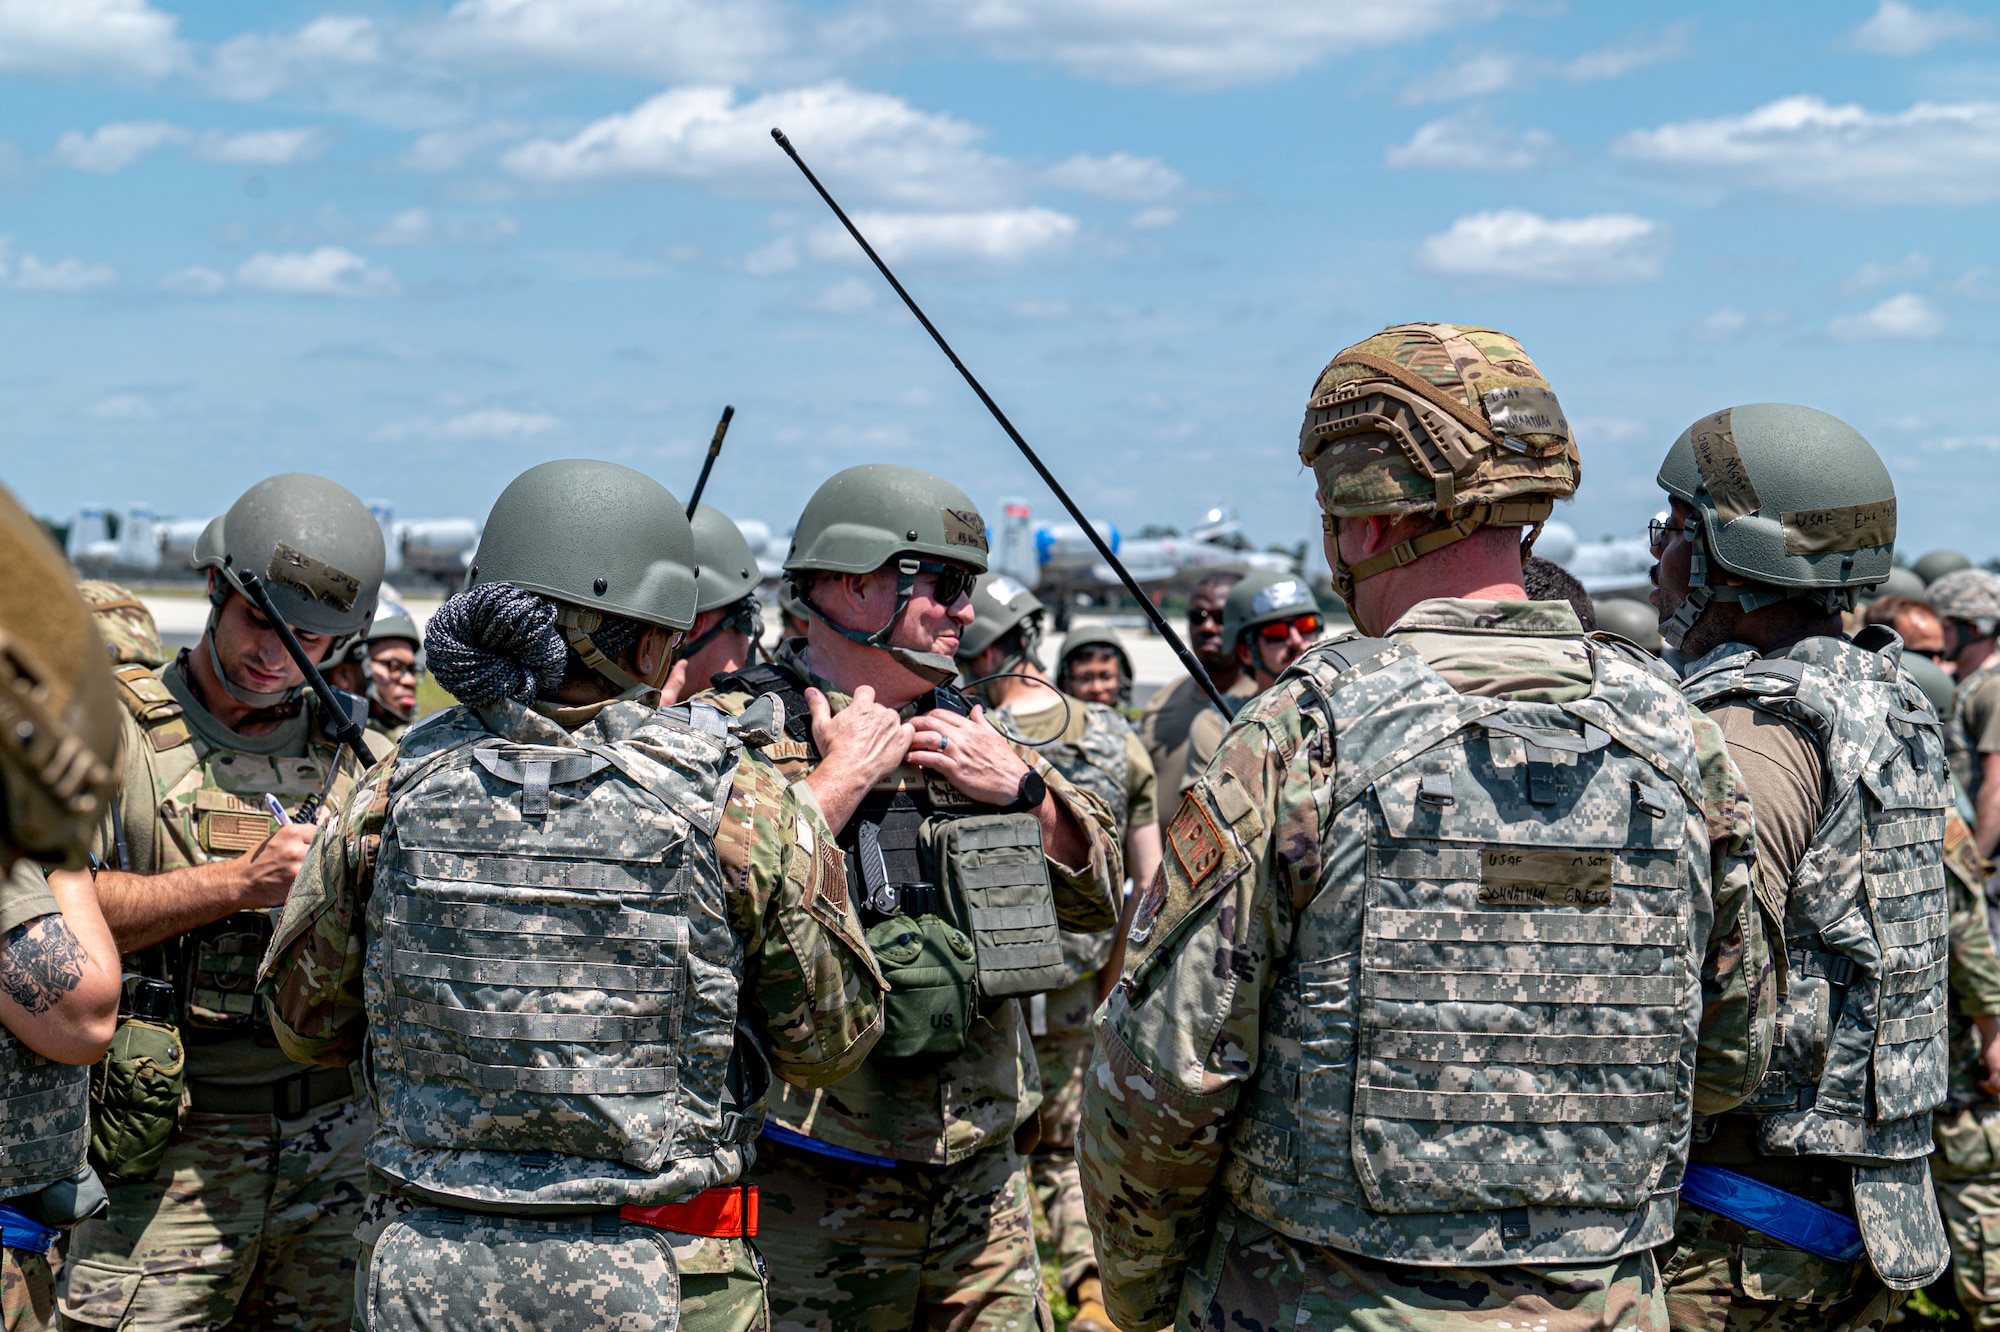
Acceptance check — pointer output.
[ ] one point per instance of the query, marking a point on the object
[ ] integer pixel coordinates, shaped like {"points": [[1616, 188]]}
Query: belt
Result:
{"points": [[288, 1098], [729, 1212], [1763, 1207]]}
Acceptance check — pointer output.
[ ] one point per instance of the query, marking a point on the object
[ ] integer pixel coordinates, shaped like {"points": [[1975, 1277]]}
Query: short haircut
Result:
{"points": [[1888, 609], [1548, 581], [1217, 583]]}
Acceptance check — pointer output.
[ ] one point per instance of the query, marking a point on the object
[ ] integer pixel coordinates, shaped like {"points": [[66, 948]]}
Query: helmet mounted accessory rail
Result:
{"points": [[1187, 658]]}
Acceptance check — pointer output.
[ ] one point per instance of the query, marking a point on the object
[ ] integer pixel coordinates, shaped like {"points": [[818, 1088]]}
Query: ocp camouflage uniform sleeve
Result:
{"points": [[1739, 983], [810, 980], [1177, 1041], [311, 975]]}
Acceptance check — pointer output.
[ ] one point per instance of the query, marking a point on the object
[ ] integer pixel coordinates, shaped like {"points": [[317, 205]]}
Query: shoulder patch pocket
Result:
{"points": [[1196, 843]]}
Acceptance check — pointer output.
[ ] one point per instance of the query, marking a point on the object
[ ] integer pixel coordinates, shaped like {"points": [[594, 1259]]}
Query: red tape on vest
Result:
{"points": [[724, 1213]]}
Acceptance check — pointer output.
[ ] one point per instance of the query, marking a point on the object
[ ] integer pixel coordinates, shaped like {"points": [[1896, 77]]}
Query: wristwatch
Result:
{"points": [[1032, 792]]}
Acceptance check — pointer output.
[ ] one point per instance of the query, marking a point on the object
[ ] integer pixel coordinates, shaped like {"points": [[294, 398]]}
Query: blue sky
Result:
{"points": [[420, 248]]}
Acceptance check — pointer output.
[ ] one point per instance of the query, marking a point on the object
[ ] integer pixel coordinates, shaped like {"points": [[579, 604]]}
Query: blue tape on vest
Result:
{"points": [[787, 1138], [18, 1230], [1763, 1207]]}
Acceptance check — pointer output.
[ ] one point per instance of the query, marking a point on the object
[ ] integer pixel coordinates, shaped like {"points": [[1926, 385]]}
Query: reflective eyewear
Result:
{"points": [[1305, 626], [953, 580], [1198, 615]]}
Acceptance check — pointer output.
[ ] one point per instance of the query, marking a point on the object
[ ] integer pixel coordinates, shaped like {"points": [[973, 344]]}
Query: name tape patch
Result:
{"points": [[1855, 527], [1514, 877], [313, 579], [964, 527], [1722, 468], [1525, 410]]}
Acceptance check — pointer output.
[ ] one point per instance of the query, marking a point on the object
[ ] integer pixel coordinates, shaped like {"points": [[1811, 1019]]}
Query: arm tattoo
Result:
{"points": [[40, 962]]}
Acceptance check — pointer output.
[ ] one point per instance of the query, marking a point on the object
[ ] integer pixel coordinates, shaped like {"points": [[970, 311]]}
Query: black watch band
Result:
{"points": [[1033, 790]]}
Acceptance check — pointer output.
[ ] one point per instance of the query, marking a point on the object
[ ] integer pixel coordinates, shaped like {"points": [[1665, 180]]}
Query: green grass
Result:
{"points": [[430, 697]]}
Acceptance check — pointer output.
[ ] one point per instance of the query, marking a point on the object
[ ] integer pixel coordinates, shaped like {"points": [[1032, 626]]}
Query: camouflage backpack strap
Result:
{"points": [[153, 706]]}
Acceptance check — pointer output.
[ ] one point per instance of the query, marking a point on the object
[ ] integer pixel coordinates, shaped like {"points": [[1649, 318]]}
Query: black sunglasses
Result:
{"points": [[953, 580]]}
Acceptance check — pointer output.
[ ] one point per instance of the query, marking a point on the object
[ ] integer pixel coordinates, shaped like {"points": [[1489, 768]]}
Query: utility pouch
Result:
{"points": [[932, 987], [136, 1092], [995, 879], [219, 978]]}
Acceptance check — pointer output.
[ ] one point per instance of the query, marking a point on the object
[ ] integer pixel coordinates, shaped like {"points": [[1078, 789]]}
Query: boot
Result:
{"points": [[1090, 1315]]}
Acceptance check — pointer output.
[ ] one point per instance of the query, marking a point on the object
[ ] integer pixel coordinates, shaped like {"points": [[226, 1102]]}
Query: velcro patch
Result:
{"points": [[1195, 841], [1722, 468], [235, 832], [313, 579], [1524, 409], [1544, 878], [964, 527], [1854, 527]]}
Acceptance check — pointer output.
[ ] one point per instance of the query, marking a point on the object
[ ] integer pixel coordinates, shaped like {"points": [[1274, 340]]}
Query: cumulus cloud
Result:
{"points": [[1199, 43], [1474, 76], [1152, 219], [1472, 141], [448, 150], [1522, 246], [253, 66], [848, 296], [1904, 318], [1491, 71], [1622, 57], [1118, 176], [780, 256], [1933, 153], [1876, 274], [419, 226], [655, 39], [32, 273], [1719, 325], [999, 236], [120, 37], [326, 271], [861, 142], [195, 281], [1898, 29], [485, 423], [112, 148]]}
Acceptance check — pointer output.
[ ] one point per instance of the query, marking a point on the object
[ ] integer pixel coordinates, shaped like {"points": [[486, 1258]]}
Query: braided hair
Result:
{"points": [[499, 641]]}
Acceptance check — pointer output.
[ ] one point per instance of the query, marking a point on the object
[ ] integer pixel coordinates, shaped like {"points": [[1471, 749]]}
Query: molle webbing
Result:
{"points": [[44, 1118]]}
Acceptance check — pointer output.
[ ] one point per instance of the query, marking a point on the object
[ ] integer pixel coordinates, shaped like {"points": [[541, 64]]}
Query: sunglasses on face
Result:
{"points": [[1305, 626], [953, 580], [1203, 615]]}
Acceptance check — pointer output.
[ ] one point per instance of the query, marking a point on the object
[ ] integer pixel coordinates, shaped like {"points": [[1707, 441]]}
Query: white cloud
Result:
{"points": [[861, 143], [1621, 58], [195, 281], [327, 271], [848, 296], [780, 256], [1118, 176], [1201, 43], [1472, 141], [447, 150], [999, 236], [1874, 274], [1897, 29], [121, 37], [1933, 153], [1720, 324], [1523, 246], [1907, 317], [123, 407], [272, 148], [1491, 71], [252, 67], [419, 226], [1474, 76], [498, 423], [112, 148], [33, 273], [1152, 219], [653, 39]]}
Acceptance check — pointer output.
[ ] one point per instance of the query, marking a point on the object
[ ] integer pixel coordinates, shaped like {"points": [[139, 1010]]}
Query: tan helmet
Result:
{"points": [[59, 712], [1434, 418], [128, 628]]}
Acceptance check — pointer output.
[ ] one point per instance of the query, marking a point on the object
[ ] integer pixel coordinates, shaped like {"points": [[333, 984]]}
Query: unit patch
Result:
{"points": [[1195, 841]]}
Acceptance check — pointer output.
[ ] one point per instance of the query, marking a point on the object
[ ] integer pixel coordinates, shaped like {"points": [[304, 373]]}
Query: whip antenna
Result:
{"points": [[714, 452], [1166, 631]]}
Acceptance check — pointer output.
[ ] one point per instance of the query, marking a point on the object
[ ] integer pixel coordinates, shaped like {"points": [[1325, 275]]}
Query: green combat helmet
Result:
{"points": [[726, 575], [1899, 583], [1103, 640], [318, 550], [392, 621], [59, 712], [1970, 595], [867, 517], [598, 538], [1938, 563], [1000, 603], [1937, 686], [1433, 418], [1634, 621], [1788, 497], [1261, 599]]}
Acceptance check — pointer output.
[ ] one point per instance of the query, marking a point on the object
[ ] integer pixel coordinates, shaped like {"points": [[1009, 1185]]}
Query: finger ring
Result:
{"points": [[943, 743]]}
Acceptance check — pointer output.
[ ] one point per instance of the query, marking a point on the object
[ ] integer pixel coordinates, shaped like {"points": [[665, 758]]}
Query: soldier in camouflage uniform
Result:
{"points": [[125, 623], [1270, 619], [897, 1198], [576, 933], [384, 667], [1810, 1204], [729, 621], [1092, 665], [58, 964], [1968, 600], [1180, 726], [1093, 747], [249, 1220], [1455, 935]]}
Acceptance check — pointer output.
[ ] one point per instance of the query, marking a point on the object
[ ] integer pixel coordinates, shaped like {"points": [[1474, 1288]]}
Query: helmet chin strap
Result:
{"points": [[932, 667], [249, 698], [395, 714]]}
